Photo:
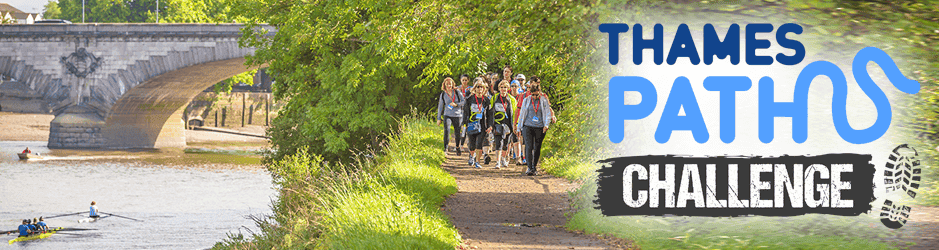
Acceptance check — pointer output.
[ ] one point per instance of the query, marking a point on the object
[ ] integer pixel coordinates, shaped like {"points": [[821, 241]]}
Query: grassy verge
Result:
{"points": [[391, 202]]}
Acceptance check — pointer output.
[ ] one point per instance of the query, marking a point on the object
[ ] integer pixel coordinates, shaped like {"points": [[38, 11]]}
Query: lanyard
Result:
{"points": [[536, 104], [453, 96], [476, 98], [502, 100]]}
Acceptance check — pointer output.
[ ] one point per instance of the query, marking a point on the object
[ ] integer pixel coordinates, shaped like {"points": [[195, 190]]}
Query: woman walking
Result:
{"points": [[533, 120], [478, 120], [503, 127], [450, 106]]}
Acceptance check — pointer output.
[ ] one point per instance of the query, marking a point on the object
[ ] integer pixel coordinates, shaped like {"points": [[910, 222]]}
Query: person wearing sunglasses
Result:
{"points": [[533, 122], [478, 124]]}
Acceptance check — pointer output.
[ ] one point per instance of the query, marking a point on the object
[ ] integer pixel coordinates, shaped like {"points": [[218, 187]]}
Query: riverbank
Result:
{"points": [[205, 149]]}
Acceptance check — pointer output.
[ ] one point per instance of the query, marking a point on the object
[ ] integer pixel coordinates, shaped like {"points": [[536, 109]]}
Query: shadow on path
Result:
{"points": [[504, 209]]}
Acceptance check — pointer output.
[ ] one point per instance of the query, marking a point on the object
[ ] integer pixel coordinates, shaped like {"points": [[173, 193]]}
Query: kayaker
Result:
{"points": [[24, 228], [94, 210], [41, 225]]}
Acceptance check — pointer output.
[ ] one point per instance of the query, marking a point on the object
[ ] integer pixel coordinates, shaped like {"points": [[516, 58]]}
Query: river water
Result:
{"points": [[180, 208]]}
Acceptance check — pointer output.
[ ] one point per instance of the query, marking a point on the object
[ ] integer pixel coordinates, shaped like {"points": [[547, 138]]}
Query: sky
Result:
{"points": [[29, 6]]}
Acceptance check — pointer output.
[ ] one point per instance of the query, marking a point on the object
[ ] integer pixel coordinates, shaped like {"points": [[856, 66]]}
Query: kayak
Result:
{"points": [[35, 236]]}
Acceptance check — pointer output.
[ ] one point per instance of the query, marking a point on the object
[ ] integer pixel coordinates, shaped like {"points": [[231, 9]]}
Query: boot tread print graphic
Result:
{"points": [[903, 171], [904, 174], [894, 216]]}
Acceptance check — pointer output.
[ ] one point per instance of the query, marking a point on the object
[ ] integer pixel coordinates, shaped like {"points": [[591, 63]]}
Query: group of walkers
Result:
{"points": [[510, 116]]}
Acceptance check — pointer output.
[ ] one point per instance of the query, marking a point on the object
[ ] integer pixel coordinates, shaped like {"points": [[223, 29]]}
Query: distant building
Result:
{"points": [[15, 15]]}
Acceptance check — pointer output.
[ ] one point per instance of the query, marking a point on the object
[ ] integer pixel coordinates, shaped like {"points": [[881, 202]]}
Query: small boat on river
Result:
{"points": [[36, 236], [28, 156]]}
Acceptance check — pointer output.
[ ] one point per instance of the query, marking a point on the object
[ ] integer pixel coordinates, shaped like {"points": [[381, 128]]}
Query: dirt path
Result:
{"points": [[502, 209], [922, 228]]}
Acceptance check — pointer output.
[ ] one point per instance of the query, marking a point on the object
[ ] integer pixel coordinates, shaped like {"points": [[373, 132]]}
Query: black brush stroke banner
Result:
{"points": [[610, 193]]}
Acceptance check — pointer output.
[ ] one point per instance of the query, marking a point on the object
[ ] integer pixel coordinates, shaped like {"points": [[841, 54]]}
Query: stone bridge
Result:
{"points": [[119, 85]]}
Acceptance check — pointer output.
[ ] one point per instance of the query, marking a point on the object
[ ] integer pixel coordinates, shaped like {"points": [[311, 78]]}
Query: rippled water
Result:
{"points": [[181, 208]]}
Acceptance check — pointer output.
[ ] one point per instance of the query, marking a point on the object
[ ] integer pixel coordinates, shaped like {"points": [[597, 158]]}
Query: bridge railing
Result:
{"points": [[126, 29]]}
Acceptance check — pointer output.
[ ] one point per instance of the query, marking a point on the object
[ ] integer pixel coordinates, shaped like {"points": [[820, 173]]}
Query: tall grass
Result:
{"points": [[390, 202]]}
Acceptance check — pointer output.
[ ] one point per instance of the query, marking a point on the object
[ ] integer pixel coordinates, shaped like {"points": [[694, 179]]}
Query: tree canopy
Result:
{"points": [[349, 68], [51, 10]]}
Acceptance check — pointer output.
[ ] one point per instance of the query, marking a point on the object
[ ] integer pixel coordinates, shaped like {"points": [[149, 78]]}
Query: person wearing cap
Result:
{"points": [[41, 225], [24, 228], [521, 83], [94, 210]]}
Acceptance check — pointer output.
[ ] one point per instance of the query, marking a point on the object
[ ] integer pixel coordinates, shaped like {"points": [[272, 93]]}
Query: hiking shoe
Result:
{"points": [[498, 165], [523, 162], [471, 160], [487, 160], [477, 165], [458, 152]]}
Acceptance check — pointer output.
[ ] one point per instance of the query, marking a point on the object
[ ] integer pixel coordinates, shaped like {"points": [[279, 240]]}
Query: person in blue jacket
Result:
{"points": [[24, 228], [41, 225]]}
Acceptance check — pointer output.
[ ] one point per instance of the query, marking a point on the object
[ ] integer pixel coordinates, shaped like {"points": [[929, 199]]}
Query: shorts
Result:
{"points": [[501, 142], [476, 141]]}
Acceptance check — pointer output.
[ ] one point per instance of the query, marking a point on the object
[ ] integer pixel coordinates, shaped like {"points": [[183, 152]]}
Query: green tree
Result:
{"points": [[51, 10], [196, 11], [349, 68], [107, 11]]}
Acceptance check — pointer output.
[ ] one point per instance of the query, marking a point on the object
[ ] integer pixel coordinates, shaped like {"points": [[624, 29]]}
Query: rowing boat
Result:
{"points": [[91, 219], [35, 236], [28, 156]]}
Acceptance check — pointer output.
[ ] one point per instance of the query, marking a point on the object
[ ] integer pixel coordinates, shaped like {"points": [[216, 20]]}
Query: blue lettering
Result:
{"points": [[753, 44], [655, 44], [681, 96], [614, 29], [683, 46], [714, 47], [789, 44], [728, 87], [620, 112]]}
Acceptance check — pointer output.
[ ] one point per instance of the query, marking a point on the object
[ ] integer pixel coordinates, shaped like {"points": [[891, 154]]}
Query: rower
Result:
{"points": [[36, 227], [42, 225], [24, 228], [94, 210], [32, 227]]}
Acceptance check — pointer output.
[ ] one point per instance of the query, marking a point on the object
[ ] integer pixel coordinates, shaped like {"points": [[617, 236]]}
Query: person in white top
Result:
{"points": [[94, 210]]}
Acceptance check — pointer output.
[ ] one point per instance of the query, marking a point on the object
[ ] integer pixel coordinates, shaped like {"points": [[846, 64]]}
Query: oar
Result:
{"points": [[121, 216], [7, 232], [64, 215], [74, 229]]}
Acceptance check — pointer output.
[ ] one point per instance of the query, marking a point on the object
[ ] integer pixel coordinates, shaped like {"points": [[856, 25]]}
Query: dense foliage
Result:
{"points": [[349, 68]]}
